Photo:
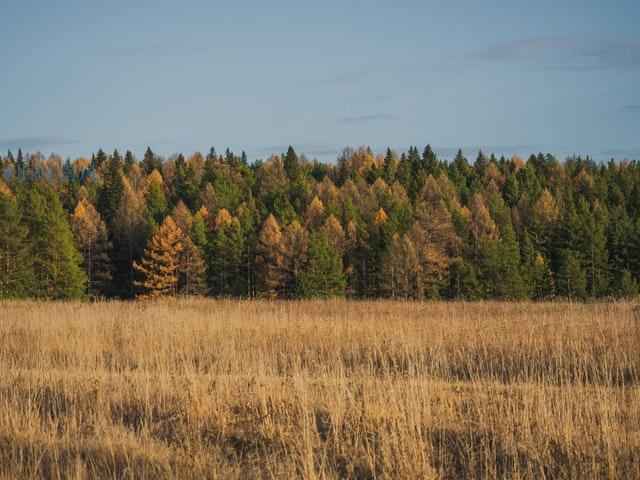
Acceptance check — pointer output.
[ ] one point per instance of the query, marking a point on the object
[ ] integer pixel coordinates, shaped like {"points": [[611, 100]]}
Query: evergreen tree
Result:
{"points": [[156, 201], [150, 162], [463, 283], [226, 256], [129, 162], [112, 188], [291, 164], [16, 262], [184, 185], [388, 167], [324, 276], [56, 261], [571, 279], [430, 162], [625, 286], [99, 159]]}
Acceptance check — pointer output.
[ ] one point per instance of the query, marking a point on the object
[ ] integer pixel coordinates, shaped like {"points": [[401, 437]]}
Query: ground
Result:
{"points": [[336, 389]]}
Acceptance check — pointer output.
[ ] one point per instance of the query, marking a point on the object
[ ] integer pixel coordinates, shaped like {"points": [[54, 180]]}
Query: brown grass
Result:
{"points": [[364, 390]]}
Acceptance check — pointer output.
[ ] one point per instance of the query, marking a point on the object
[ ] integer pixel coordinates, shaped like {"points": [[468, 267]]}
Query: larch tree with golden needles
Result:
{"points": [[93, 242], [159, 266], [315, 214], [435, 238], [270, 259], [129, 233], [296, 244], [401, 269]]}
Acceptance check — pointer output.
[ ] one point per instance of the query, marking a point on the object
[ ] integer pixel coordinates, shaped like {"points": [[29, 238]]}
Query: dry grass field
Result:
{"points": [[363, 390]]}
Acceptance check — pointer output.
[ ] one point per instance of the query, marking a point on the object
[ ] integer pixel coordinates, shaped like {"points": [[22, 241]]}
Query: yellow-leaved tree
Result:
{"points": [[93, 242], [159, 265]]}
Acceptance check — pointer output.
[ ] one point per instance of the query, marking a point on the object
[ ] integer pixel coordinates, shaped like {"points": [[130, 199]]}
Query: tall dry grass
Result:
{"points": [[230, 389]]}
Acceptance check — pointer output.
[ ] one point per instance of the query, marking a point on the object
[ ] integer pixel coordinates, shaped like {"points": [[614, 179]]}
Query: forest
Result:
{"points": [[400, 225]]}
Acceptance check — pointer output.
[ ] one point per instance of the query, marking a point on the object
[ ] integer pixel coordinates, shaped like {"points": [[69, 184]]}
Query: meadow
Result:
{"points": [[200, 388]]}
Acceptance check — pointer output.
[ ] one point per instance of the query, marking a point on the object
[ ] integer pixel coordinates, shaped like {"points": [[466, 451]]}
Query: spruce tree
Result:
{"points": [[571, 278], [16, 261], [56, 261], [226, 256], [291, 164], [129, 162], [324, 275], [112, 188], [150, 162]]}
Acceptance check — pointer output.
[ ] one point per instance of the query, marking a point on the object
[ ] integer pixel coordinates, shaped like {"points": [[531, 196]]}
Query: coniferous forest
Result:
{"points": [[401, 225]]}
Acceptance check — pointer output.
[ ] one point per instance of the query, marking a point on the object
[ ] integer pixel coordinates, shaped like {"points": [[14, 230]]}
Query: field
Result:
{"points": [[363, 390]]}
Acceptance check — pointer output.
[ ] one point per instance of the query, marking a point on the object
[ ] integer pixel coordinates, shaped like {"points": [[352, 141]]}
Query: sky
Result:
{"points": [[503, 76]]}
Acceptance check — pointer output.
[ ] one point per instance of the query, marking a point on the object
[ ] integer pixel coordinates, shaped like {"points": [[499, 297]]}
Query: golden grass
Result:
{"points": [[238, 389]]}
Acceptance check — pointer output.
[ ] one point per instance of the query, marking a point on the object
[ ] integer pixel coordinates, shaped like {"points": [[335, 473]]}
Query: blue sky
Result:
{"points": [[507, 76]]}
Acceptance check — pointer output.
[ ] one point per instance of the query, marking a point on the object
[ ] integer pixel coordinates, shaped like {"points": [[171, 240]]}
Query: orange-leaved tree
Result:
{"points": [[159, 265]]}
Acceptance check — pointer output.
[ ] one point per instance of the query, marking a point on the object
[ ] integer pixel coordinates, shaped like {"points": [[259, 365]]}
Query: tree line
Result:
{"points": [[402, 226]]}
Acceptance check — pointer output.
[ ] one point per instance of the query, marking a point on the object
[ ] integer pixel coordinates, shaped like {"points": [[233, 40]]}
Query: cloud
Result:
{"points": [[635, 109], [566, 52], [35, 143], [363, 119]]}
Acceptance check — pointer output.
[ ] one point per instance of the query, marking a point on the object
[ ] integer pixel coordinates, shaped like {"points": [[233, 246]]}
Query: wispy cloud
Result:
{"points": [[34, 143], [635, 109], [363, 119], [566, 52]]}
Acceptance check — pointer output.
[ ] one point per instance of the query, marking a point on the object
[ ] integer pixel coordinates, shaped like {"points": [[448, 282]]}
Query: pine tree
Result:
{"points": [[16, 263], [429, 162], [291, 164], [99, 159], [499, 260], [112, 188], [324, 276], [388, 167], [571, 278], [156, 201], [56, 261], [184, 185], [150, 162], [160, 264], [129, 162], [226, 256], [93, 243], [199, 229], [625, 285], [593, 247], [463, 282]]}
